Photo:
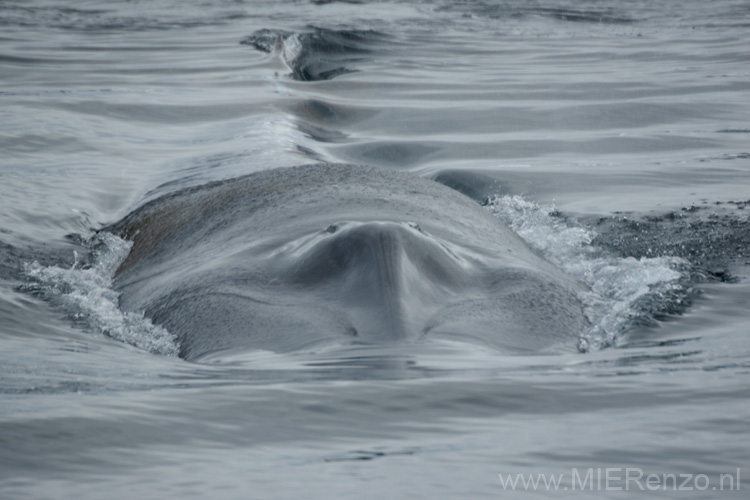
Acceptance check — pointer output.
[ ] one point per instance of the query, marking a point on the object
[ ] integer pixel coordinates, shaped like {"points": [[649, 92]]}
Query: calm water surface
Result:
{"points": [[613, 137]]}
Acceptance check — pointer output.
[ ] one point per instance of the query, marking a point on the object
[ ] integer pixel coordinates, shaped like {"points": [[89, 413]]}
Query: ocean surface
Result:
{"points": [[614, 137]]}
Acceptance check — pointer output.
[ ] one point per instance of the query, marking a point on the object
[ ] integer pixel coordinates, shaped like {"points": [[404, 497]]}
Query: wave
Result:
{"points": [[509, 10], [105, 20], [318, 54]]}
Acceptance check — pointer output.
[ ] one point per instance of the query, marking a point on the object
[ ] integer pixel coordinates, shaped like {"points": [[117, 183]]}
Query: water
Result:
{"points": [[613, 137]]}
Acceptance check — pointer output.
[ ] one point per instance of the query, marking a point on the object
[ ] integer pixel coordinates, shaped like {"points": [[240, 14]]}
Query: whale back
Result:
{"points": [[295, 258]]}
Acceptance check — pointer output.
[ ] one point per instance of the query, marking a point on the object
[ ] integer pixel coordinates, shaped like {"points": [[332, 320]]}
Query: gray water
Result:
{"points": [[612, 136]]}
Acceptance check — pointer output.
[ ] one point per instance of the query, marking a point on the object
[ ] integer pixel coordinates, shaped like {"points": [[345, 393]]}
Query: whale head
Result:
{"points": [[329, 255]]}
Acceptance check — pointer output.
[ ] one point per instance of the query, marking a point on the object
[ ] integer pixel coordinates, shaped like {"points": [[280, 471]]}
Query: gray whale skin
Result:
{"points": [[301, 258]]}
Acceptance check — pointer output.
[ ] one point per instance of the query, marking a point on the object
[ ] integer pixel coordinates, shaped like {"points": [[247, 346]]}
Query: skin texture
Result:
{"points": [[305, 257]]}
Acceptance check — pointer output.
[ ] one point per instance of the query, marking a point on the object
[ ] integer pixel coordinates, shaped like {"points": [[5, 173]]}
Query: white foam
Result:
{"points": [[86, 293], [291, 49], [616, 284]]}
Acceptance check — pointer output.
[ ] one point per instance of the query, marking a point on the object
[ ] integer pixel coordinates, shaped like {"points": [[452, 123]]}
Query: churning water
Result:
{"points": [[611, 136]]}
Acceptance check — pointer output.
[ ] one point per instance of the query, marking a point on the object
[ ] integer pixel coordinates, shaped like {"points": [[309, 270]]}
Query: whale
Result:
{"points": [[308, 257]]}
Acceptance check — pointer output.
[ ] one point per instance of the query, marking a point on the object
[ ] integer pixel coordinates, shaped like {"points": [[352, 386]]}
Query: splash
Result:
{"points": [[624, 291], [317, 53], [84, 291]]}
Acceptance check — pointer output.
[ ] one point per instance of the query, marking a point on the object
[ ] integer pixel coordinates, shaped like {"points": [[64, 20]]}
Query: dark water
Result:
{"points": [[611, 136]]}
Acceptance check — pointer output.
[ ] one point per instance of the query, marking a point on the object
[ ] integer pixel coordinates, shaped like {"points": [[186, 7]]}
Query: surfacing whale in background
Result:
{"points": [[299, 258]]}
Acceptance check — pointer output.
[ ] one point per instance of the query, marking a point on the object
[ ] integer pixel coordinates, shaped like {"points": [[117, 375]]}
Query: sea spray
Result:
{"points": [[623, 292], [85, 292]]}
